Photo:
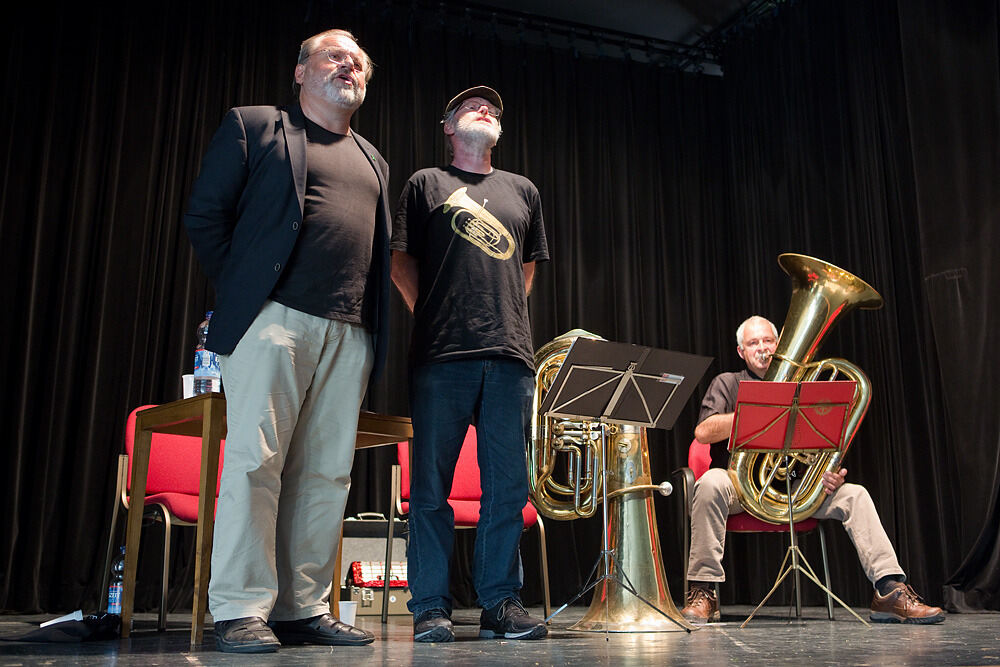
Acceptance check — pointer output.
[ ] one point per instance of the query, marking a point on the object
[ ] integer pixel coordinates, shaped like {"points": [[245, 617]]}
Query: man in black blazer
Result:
{"points": [[289, 219]]}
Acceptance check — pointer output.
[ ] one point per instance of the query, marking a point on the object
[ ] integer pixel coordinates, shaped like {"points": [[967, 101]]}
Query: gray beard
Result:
{"points": [[478, 138], [347, 98]]}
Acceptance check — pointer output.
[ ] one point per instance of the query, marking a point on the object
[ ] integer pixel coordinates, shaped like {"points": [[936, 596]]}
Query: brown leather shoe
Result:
{"points": [[903, 605], [701, 606]]}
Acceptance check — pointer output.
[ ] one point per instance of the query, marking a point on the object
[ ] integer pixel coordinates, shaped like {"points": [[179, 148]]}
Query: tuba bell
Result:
{"points": [[565, 460], [821, 295]]}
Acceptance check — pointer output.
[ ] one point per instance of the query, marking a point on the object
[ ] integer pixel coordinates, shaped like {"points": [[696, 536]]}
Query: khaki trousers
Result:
{"points": [[715, 499], [294, 386]]}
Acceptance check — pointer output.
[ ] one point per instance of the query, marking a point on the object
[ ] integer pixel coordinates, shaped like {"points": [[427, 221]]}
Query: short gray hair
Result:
{"points": [[752, 318]]}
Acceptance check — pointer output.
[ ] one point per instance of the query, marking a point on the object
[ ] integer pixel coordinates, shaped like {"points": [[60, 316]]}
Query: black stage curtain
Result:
{"points": [[861, 133]]}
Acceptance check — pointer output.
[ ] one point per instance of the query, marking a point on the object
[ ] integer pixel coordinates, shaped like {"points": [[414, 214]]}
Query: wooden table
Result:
{"points": [[205, 416]]}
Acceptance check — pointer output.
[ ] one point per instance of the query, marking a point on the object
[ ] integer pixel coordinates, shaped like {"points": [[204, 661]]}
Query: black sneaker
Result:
{"points": [[509, 620], [433, 625]]}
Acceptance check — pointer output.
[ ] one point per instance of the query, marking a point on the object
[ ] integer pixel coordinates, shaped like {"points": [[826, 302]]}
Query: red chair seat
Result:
{"points": [[467, 513], [181, 505], [699, 460], [747, 523]]}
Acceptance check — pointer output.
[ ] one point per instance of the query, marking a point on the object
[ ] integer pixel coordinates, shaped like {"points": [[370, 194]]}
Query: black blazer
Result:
{"points": [[245, 214]]}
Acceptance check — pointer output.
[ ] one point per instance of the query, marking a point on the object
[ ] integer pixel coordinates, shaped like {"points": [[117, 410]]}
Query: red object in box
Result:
{"points": [[369, 573]]}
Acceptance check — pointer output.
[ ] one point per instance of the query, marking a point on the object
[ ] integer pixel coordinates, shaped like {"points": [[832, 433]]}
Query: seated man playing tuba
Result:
{"points": [[715, 498]]}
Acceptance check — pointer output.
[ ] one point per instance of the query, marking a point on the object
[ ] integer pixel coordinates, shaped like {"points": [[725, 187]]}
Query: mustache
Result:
{"points": [[343, 71]]}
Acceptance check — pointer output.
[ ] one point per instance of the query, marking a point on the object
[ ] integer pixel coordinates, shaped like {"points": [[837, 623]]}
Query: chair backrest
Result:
{"points": [[699, 458], [174, 460], [466, 491], [464, 486]]}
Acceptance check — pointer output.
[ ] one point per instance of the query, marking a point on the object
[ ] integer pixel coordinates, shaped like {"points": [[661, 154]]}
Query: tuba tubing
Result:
{"points": [[592, 450], [580, 441], [822, 294]]}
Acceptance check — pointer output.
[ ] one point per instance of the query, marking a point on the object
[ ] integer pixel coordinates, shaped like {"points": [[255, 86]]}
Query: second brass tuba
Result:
{"points": [[821, 294], [565, 462]]}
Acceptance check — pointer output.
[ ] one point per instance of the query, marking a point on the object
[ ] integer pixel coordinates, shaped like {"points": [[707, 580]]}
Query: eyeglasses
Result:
{"points": [[472, 106], [342, 58]]}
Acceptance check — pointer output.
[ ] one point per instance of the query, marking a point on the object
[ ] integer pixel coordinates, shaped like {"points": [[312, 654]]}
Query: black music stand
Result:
{"points": [[784, 418], [620, 383]]}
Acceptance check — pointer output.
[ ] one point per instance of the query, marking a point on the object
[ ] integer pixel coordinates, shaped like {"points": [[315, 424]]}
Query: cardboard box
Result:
{"points": [[370, 600]]}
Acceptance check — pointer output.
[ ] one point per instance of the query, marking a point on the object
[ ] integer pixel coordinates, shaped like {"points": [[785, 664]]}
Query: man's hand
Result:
{"points": [[405, 274], [833, 481]]}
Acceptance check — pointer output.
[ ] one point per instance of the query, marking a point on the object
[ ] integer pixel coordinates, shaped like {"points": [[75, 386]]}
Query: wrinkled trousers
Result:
{"points": [[715, 499]]}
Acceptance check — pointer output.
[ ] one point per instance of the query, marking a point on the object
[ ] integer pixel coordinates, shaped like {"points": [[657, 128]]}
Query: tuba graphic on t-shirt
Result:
{"points": [[478, 226]]}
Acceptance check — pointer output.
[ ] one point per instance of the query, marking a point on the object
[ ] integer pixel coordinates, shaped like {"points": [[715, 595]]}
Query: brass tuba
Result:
{"points": [[821, 295], [574, 488]]}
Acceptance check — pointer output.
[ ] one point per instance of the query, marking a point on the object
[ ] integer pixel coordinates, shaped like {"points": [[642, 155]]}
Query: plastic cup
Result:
{"points": [[348, 611]]}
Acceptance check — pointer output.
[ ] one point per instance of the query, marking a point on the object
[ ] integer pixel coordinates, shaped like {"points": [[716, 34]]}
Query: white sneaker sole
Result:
{"points": [[536, 632]]}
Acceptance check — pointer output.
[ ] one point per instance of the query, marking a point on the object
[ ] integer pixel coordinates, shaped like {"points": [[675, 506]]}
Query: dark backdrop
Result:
{"points": [[862, 133]]}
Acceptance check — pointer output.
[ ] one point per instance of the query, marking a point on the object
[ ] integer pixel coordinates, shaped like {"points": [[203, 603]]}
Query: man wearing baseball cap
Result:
{"points": [[464, 245]]}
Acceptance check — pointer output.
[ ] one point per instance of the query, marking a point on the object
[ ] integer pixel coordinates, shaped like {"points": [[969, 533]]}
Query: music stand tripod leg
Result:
{"points": [[809, 573], [582, 592], [782, 574], [603, 557], [627, 585], [798, 564]]}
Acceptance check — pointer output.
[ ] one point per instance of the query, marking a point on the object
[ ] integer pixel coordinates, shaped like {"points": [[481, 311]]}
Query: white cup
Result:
{"points": [[187, 385], [348, 610]]}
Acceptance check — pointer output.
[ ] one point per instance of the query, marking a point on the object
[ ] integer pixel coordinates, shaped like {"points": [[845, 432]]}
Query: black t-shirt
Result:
{"points": [[720, 399], [328, 272], [471, 235]]}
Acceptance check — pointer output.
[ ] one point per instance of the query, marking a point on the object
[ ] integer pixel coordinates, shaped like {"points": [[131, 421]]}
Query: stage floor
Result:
{"points": [[771, 637]]}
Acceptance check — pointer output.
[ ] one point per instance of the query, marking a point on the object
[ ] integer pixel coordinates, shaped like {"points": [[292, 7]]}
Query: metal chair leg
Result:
{"points": [[122, 475], [687, 486], [390, 534], [161, 623], [826, 571], [544, 557]]}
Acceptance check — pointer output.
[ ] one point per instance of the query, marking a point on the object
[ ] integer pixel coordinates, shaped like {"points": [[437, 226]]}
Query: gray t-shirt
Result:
{"points": [[720, 399]]}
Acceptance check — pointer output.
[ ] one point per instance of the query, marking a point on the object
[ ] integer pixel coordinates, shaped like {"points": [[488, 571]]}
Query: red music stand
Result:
{"points": [[786, 418]]}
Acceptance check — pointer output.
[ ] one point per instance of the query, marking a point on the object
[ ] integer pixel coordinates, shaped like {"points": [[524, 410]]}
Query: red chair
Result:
{"points": [[171, 492], [464, 499], [699, 461]]}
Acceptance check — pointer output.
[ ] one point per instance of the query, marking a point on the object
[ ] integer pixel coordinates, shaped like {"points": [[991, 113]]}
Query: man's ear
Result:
{"points": [[300, 73]]}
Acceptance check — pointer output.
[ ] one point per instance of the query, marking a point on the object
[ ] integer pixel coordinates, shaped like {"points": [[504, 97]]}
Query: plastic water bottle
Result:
{"points": [[115, 589], [206, 364]]}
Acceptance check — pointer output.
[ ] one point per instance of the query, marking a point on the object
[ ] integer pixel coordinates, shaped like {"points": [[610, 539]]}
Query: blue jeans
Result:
{"points": [[495, 394]]}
